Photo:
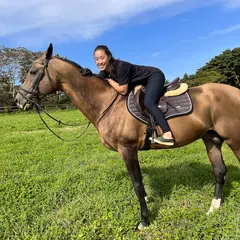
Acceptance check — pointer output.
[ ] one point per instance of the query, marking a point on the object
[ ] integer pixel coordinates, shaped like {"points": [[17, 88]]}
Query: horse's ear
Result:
{"points": [[49, 52]]}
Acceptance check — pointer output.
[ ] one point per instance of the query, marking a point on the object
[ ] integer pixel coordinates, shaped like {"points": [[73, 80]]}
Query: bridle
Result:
{"points": [[34, 92]]}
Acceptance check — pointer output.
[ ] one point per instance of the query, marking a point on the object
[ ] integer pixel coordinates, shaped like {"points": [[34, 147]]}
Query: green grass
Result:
{"points": [[81, 190]]}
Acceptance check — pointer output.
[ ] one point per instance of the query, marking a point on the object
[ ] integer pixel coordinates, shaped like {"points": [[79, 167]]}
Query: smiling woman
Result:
{"points": [[123, 76], [120, 131]]}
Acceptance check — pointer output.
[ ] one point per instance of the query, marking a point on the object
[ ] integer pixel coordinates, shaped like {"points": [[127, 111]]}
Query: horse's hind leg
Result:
{"points": [[213, 143]]}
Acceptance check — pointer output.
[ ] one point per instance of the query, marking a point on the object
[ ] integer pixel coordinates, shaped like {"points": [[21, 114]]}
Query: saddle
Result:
{"points": [[175, 102]]}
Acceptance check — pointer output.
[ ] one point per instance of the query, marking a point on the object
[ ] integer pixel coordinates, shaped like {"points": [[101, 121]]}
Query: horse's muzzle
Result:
{"points": [[23, 103]]}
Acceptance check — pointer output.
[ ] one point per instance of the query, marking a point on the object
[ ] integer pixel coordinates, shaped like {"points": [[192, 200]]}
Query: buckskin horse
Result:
{"points": [[215, 118]]}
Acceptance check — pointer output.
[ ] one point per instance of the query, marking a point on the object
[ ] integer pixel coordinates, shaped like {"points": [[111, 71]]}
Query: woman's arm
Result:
{"points": [[123, 89]]}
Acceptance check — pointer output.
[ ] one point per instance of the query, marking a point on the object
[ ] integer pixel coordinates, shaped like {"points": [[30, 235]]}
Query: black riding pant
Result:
{"points": [[154, 90]]}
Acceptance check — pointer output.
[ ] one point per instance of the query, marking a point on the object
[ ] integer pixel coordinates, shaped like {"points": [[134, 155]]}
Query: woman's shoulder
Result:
{"points": [[121, 63], [128, 64]]}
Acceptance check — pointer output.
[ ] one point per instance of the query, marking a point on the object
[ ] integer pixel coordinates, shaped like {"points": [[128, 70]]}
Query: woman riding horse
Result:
{"points": [[215, 117], [123, 75]]}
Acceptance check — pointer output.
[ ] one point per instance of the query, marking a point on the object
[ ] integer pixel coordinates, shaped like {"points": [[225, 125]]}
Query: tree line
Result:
{"points": [[14, 65], [15, 62], [224, 68]]}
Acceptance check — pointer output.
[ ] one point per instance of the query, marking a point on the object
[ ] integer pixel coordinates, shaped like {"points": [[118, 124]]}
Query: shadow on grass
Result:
{"points": [[194, 176]]}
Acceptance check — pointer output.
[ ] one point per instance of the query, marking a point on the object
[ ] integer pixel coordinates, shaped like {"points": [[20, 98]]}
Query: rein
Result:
{"points": [[35, 91], [39, 109], [105, 111]]}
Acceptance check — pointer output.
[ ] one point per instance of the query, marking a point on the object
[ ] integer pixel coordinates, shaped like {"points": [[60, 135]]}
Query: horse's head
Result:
{"points": [[37, 82]]}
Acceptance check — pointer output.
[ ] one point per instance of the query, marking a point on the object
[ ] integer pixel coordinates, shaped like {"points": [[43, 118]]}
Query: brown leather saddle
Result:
{"points": [[175, 102]]}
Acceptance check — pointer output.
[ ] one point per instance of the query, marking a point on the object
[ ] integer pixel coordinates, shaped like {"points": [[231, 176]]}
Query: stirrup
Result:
{"points": [[163, 141]]}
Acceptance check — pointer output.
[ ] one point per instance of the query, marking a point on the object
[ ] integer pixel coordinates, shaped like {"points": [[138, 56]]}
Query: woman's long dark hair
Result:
{"points": [[112, 60]]}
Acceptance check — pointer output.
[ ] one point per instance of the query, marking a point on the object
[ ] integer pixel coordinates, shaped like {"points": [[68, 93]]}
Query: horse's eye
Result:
{"points": [[33, 71]]}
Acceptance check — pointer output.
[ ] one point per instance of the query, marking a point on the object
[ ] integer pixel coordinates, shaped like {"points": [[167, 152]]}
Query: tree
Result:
{"points": [[224, 68], [5, 90], [225, 64], [26, 59], [14, 63]]}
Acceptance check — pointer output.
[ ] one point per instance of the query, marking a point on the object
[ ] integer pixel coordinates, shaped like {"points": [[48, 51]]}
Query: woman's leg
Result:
{"points": [[154, 90]]}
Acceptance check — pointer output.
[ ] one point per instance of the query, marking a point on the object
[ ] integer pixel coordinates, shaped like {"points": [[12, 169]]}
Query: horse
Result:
{"points": [[215, 118]]}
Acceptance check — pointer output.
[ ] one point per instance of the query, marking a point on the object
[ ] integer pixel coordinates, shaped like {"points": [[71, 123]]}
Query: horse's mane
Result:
{"points": [[77, 66], [70, 62]]}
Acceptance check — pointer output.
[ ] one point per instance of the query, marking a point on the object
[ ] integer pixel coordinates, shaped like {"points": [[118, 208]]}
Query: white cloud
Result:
{"points": [[156, 54], [73, 18], [232, 3], [226, 30], [38, 21]]}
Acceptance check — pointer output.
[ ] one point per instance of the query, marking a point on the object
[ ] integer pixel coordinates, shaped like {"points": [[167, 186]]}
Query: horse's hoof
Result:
{"points": [[214, 205], [149, 199], [141, 227]]}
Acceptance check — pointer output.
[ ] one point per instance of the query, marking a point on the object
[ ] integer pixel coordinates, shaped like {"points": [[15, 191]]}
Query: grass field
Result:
{"points": [[81, 190]]}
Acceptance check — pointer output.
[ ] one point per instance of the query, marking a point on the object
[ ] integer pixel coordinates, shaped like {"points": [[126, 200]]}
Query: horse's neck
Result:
{"points": [[89, 94]]}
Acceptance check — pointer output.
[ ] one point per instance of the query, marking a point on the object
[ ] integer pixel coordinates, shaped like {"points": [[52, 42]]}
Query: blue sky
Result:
{"points": [[177, 36]]}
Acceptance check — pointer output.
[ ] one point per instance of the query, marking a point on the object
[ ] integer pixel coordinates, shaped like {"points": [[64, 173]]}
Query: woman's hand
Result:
{"points": [[123, 89]]}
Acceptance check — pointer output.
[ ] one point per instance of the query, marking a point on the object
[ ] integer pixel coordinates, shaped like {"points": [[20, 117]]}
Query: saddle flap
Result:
{"points": [[163, 106], [170, 106], [139, 100]]}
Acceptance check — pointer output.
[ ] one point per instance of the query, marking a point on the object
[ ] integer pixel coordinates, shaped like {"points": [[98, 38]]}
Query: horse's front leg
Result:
{"points": [[130, 157]]}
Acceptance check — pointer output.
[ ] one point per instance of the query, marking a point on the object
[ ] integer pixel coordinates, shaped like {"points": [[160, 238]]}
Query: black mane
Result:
{"points": [[80, 67], [70, 62]]}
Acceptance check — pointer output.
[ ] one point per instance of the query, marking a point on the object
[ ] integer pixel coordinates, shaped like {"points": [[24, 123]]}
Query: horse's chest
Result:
{"points": [[107, 142]]}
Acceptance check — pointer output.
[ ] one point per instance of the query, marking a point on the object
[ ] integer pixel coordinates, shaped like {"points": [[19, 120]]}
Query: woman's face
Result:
{"points": [[101, 59]]}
